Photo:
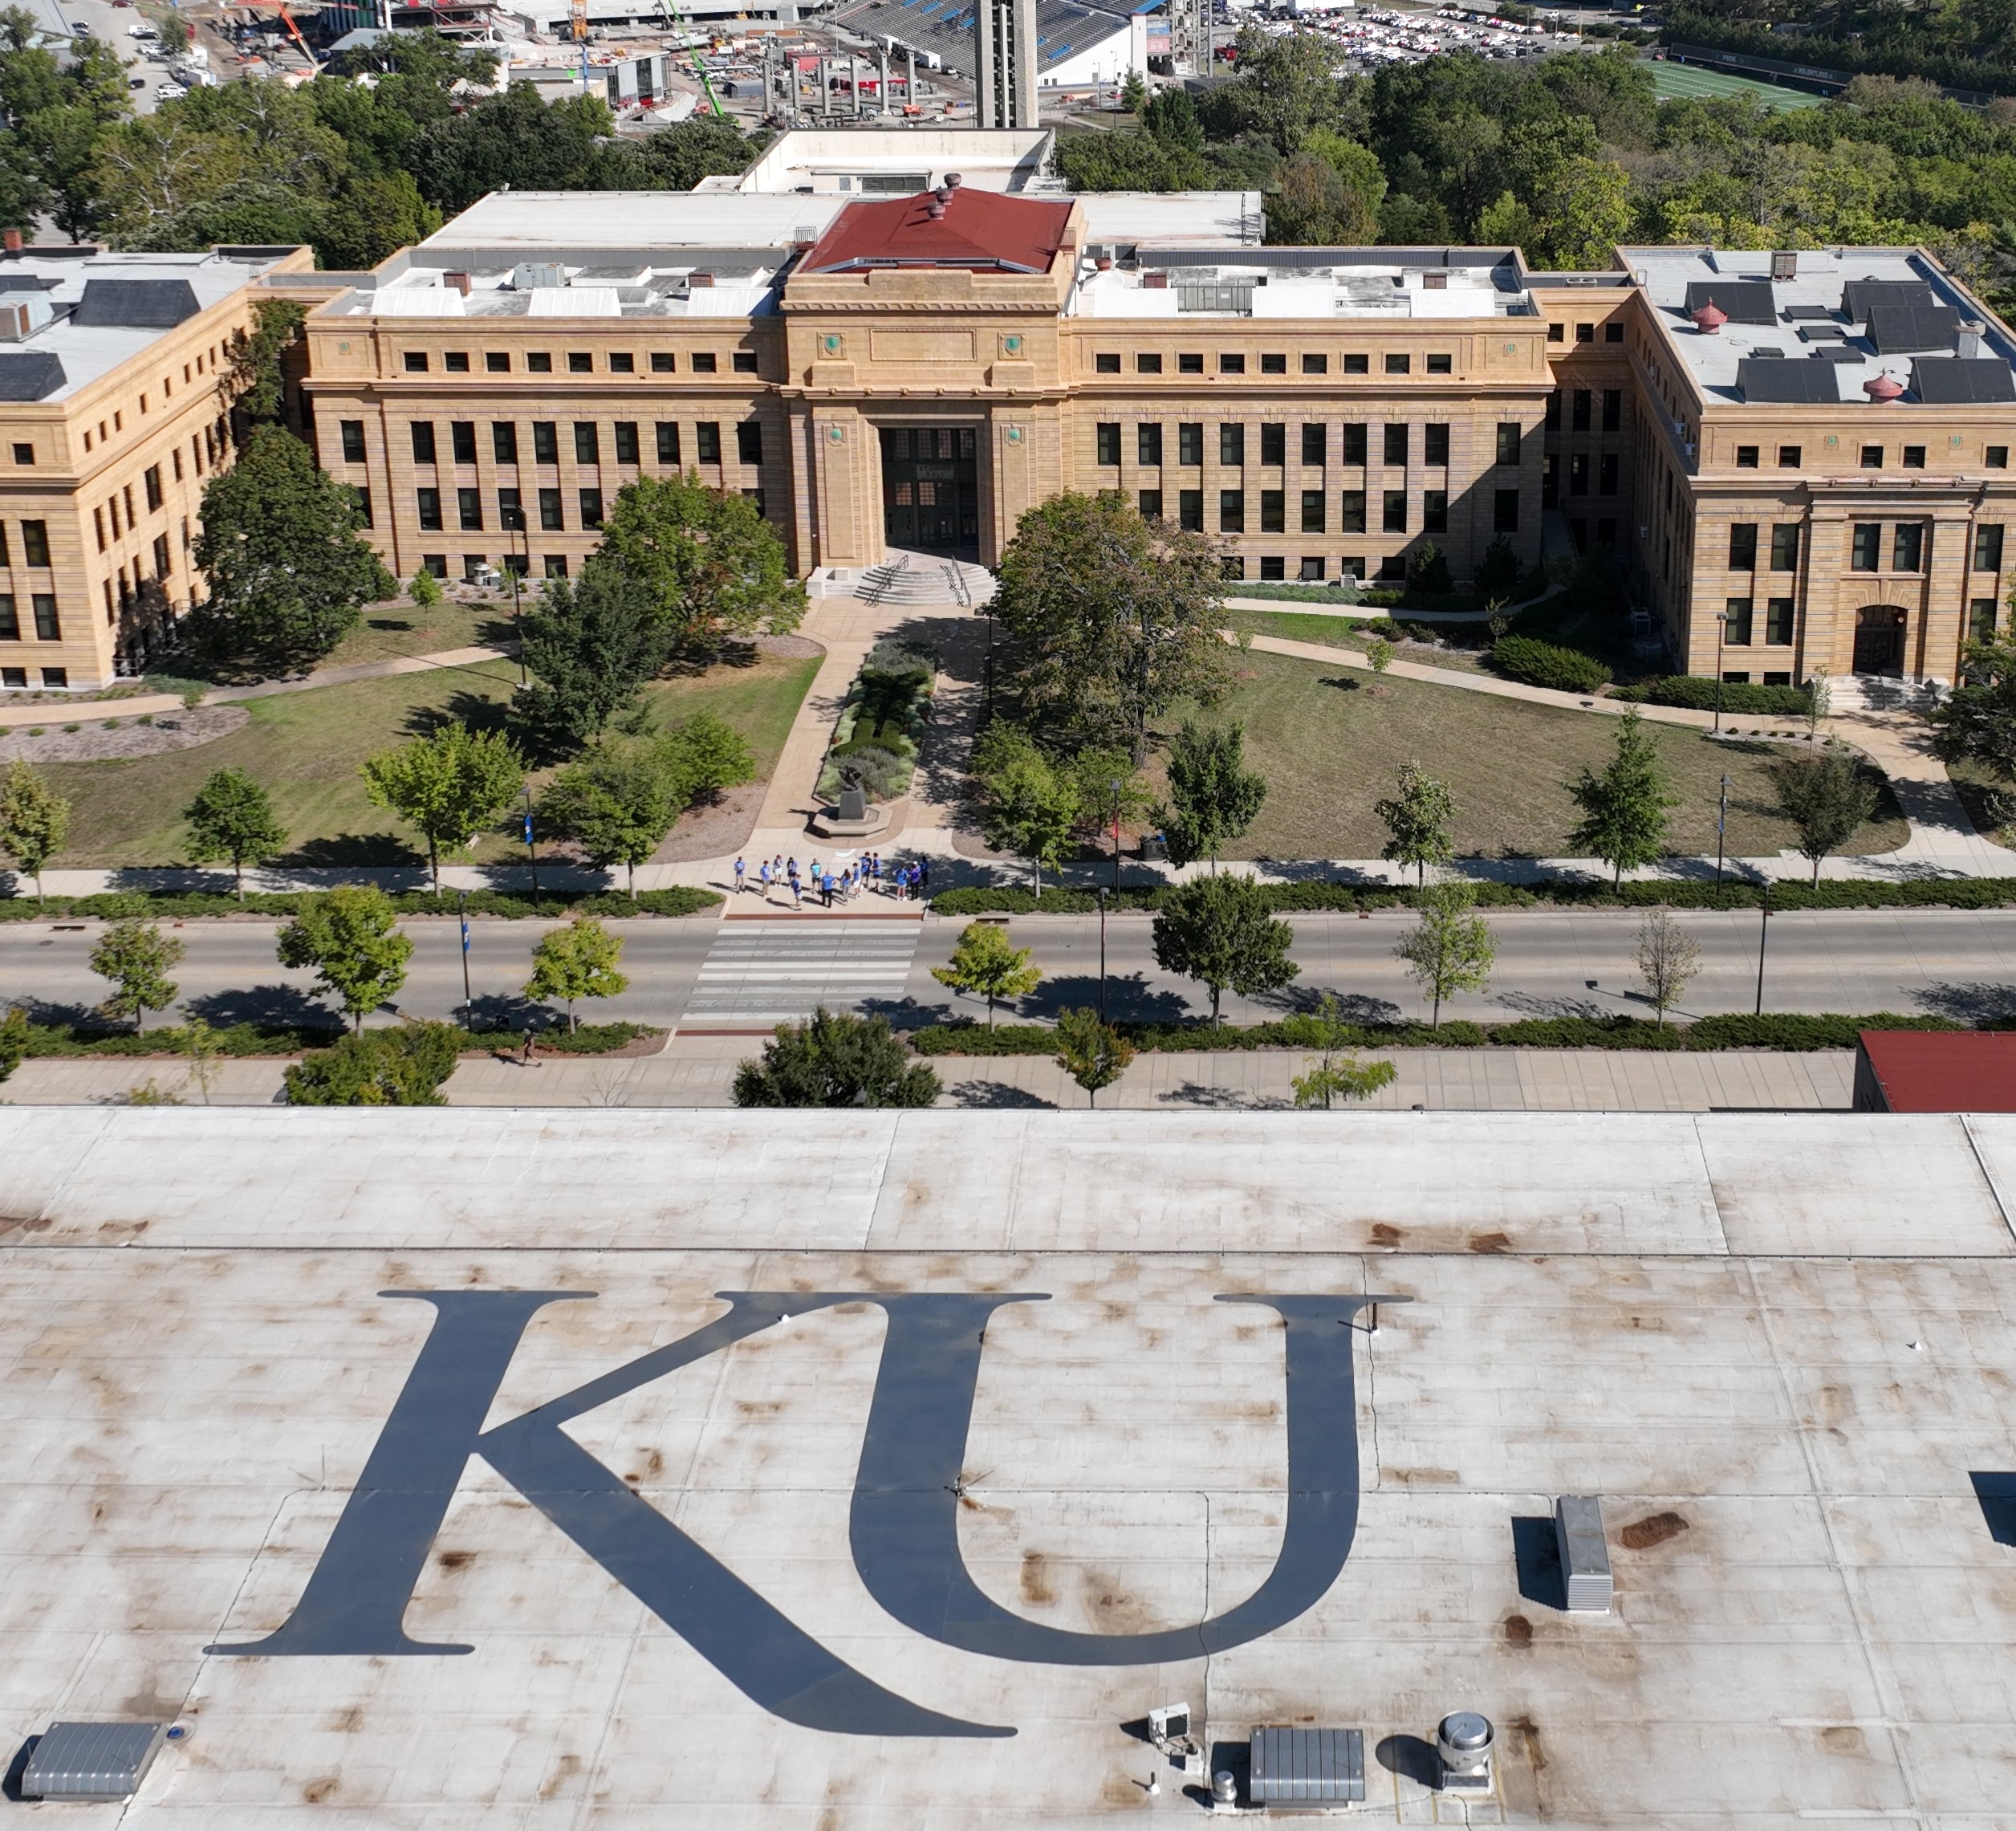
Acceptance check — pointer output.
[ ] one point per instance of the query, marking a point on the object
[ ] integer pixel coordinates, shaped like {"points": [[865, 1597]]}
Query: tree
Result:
{"points": [[577, 960], [1379, 654], [1497, 573], [1113, 618], [1134, 93], [1976, 721], [35, 821], [987, 963], [617, 803], [1449, 949], [425, 589], [589, 648], [1110, 792], [1819, 700], [349, 937], [289, 574], [1335, 1073], [404, 1066], [1668, 959], [1214, 796], [710, 566], [13, 1041], [450, 785], [1221, 931], [232, 817], [1624, 809], [1417, 820], [835, 1060], [1093, 1053], [135, 956], [254, 380], [201, 1048], [1028, 806], [1826, 795]]}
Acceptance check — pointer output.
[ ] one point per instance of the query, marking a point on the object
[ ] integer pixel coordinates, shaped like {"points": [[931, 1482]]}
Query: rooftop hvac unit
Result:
{"points": [[92, 1760], [528, 274], [1585, 1558], [1463, 1743], [1308, 1766]]}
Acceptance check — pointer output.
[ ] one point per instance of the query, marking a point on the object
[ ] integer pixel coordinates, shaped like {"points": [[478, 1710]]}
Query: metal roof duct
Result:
{"points": [[92, 1760], [1308, 1766]]}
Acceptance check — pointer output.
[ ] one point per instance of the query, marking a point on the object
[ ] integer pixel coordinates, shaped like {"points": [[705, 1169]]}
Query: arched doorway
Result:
{"points": [[930, 488], [1879, 640]]}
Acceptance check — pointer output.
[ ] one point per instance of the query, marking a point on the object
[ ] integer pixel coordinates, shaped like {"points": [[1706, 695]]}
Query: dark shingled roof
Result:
{"points": [[29, 375], [1786, 381], [1860, 297], [1745, 301], [1942, 381], [1897, 327], [137, 304]]}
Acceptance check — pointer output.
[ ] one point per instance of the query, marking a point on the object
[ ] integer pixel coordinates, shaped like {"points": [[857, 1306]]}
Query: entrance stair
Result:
{"points": [[926, 579]]}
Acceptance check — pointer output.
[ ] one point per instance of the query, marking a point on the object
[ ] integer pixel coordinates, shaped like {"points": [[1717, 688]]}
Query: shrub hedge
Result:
{"points": [[241, 1039], [1783, 1031], [1697, 692], [1546, 664], [111, 905]]}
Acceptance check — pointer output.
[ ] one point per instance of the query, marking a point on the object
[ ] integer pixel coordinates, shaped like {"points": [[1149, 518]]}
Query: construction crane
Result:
{"points": [[294, 31]]}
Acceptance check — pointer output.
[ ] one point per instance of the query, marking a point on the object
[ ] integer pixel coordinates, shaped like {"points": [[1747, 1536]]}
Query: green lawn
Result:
{"points": [[1341, 632], [305, 748], [1329, 744], [396, 628], [1674, 82]]}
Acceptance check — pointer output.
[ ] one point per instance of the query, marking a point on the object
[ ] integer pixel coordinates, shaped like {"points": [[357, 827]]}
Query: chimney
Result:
{"points": [[1968, 343], [1710, 319], [459, 282], [694, 280], [953, 180], [1785, 267], [14, 241]]}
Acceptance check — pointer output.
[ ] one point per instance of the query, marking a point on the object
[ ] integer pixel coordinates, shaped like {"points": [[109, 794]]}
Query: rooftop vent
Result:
{"points": [[1710, 319], [1885, 389], [1585, 1558], [1463, 1741], [953, 180], [92, 1760], [1785, 267], [458, 282], [1308, 1766]]}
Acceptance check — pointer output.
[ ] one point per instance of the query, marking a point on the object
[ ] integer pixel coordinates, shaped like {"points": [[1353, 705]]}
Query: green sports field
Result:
{"points": [[1674, 81]]}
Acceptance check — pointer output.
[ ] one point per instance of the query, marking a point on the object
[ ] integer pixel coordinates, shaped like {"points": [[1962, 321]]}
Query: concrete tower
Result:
{"points": [[1007, 88]]}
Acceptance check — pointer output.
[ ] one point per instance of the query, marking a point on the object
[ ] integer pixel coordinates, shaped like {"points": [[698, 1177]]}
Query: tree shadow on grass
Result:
{"points": [[463, 705], [355, 852]]}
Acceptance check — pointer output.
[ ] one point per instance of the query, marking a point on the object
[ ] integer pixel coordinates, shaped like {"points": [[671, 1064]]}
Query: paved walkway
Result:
{"points": [[700, 1071]]}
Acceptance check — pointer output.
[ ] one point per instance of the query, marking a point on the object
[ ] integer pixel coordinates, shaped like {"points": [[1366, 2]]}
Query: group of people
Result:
{"points": [[903, 882]]}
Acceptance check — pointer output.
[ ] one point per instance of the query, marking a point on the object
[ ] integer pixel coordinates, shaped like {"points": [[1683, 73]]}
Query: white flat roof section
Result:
{"points": [[858, 1470], [822, 160], [537, 221]]}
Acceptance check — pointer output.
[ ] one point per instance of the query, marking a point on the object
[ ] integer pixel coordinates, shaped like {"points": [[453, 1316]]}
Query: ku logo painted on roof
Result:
{"points": [[903, 1527]]}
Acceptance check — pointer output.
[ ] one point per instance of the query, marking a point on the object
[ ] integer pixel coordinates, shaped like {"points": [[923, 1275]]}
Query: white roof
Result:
{"points": [[540, 222]]}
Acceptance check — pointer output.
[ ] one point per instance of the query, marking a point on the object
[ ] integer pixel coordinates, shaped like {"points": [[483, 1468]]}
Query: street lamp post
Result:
{"points": [[1721, 830], [1722, 630], [1117, 836], [1102, 954], [1763, 929], [462, 909], [531, 845]]}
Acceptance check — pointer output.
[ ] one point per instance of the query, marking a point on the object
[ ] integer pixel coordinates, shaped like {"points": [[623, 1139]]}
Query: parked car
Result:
{"points": [[80, 29], [170, 93], [136, 83]]}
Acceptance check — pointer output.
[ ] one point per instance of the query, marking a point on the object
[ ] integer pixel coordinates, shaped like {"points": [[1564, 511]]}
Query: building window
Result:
{"points": [[1274, 364], [1232, 364], [546, 442], [1315, 445], [1580, 402], [1785, 548], [98, 526], [1147, 445], [591, 508], [1315, 365], [1613, 408], [1359, 363], [1189, 509], [749, 442], [160, 554], [550, 520], [1440, 365], [556, 566], [1273, 566], [434, 563], [539, 362], [1393, 513], [468, 505], [1190, 362], [1872, 457], [1742, 546], [428, 503], [1106, 362], [1350, 512], [1148, 363], [151, 483], [1907, 546], [1865, 547], [1312, 511], [48, 626], [1508, 449], [707, 440], [1399, 365], [1354, 445], [580, 362], [661, 362], [472, 565], [1995, 457], [1151, 501], [1273, 445], [504, 442], [55, 677], [1988, 548], [1737, 625], [14, 676], [461, 437], [1607, 474], [1981, 619], [9, 626], [1274, 511], [1585, 333], [497, 362], [1190, 445], [622, 362], [1396, 448], [1435, 445], [1232, 566], [701, 362], [353, 442], [1434, 511], [1505, 512], [1613, 333], [415, 362], [361, 495], [517, 563], [1109, 442], [1232, 445], [626, 436], [1788, 457], [588, 442], [1579, 474], [422, 438], [1777, 621], [24, 454], [1914, 458], [1232, 511], [510, 510], [667, 441], [34, 543]]}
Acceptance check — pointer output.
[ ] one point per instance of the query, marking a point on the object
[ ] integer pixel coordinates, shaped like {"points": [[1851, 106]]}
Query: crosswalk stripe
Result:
{"points": [[759, 977]]}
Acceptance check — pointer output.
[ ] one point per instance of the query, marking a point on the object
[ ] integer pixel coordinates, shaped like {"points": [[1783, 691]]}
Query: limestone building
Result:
{"points": [[113, 416]]}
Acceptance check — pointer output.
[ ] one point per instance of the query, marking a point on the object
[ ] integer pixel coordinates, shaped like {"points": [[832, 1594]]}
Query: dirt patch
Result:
{"points": [[92, 743], [714, 832], [1385, 1233], [1489, 1243], [1655, 1529], [1035, 1579]]}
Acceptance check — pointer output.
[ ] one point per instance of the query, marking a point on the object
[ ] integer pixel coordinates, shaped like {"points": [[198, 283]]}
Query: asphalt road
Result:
{"points": [[1549, 962]]}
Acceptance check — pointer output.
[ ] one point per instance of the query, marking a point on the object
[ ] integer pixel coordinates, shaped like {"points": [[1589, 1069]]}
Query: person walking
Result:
{"points": [[923, 876], [742, 873], [792, 868], [526, 1058], [763, 878], [825, 889]]}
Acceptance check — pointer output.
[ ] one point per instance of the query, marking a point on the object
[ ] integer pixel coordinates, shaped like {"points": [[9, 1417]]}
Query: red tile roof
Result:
{"points": [[1932, 1071], [978, 229]]}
